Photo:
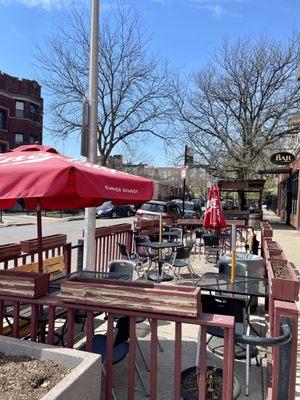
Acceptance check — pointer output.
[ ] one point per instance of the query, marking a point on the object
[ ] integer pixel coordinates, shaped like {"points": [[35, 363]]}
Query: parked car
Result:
{"points": [[153, 208], [108, 210], [189, 208]]}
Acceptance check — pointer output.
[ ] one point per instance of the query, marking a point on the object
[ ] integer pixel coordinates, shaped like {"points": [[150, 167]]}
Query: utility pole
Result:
{"points": [[184, 177], [188, 161], [90, 213]]}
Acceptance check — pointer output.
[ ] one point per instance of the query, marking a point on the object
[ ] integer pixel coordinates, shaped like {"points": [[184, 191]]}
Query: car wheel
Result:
{"points": [[114, 214]]}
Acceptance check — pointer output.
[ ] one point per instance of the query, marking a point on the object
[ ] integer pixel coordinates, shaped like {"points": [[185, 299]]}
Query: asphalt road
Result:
{"points": [[73, 229]]}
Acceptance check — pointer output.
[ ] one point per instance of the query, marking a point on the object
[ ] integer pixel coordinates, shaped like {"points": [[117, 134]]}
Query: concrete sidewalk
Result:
{"points": [[24, 219], [289, 240]]}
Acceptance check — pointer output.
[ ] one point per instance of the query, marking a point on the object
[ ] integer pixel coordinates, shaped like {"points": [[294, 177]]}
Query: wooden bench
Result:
{"points": [[54, 266]]}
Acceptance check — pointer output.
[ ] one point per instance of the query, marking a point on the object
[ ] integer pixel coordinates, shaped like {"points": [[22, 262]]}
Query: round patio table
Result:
{"points": [[157, 276]]}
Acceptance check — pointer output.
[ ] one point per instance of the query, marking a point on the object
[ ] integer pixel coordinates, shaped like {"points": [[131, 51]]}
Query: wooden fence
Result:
{"points": [[107, 240], [53, 302]]}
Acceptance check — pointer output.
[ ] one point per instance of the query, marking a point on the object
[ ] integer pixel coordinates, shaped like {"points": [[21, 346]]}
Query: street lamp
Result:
{"points": [[90, 213]]}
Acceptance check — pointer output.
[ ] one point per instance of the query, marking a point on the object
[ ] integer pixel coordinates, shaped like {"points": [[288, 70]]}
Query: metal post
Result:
{"points": [[184, 186], [90, 213]]}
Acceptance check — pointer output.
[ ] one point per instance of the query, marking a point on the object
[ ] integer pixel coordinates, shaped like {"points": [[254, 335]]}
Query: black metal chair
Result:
{"points": [[133, 257], [235, 307], [143, 252], [211, 246], [127, 267], [181, 259], [120, 348], [199, 238]]}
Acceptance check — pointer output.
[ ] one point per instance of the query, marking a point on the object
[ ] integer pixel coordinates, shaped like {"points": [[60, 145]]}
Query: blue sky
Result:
{"points": [[185, 32]]}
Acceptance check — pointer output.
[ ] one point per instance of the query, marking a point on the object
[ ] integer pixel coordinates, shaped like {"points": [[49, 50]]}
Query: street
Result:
{"points": [[73, 229]]}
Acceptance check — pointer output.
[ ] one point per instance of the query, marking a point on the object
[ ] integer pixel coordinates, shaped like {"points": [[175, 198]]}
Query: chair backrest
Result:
{"points": [[211, 240], [224, 306], [122, 331], [200, 232], [123, 250], [178, 231], [141, 240], [183, 252], [122, 266], [154, 237], [224, 268]]}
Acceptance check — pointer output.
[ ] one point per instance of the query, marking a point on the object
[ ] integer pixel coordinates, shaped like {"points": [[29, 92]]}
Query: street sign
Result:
{"points": [[282, 158], [183, 171]]}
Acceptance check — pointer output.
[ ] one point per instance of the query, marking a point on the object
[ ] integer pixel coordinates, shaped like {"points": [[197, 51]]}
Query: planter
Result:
{"points": [[283, 281], [275, 255], [189, 385], [23, 284], [10, 251], [49, 242], [84, 380], [266, 229], [273, 245], [138, 296]]}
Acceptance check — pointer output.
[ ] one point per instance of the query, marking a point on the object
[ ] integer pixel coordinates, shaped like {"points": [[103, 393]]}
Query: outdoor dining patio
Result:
{"points": [[220, 327]]}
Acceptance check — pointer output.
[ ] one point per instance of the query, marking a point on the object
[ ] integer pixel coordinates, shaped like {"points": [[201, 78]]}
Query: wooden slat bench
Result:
{"points": [[54, 266]]}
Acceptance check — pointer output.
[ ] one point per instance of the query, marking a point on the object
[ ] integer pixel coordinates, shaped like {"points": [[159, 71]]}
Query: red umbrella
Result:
{"points": [[48, 180], [214, 216]]}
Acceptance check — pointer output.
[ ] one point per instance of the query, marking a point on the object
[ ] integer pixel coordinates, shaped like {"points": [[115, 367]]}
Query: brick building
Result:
{"points": [[21, 112]]}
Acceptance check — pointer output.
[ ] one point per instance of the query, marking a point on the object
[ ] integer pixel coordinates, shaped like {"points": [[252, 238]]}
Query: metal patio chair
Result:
{"points": [[211, 247]]}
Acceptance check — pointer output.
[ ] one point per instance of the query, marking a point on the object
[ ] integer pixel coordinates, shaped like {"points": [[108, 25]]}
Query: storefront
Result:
{"points": [[289, 195]]}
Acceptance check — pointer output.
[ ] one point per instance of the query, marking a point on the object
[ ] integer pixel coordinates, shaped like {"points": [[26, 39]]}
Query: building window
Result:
{"points": [[19, 139], [2, 119], [33, 139], [19, 109], [294, 193], [33, 112]]}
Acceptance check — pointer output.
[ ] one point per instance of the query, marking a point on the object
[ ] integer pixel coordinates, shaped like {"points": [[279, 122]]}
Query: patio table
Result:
{"points": [[157, 276], [243, 285]]}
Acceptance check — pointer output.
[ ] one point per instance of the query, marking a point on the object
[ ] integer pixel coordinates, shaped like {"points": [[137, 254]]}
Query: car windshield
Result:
{"points": [[105, 206], [153, 207]]}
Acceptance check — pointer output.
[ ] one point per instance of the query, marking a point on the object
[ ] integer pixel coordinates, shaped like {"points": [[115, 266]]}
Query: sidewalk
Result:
{"points": [[289, 240], [24, 219]]}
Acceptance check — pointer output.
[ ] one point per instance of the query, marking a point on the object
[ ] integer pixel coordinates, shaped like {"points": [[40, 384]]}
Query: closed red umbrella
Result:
{"points": [[214, 216], [48, 180]]}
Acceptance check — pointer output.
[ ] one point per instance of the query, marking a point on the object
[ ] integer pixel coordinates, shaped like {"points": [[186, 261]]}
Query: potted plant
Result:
{"points": [[283, 281], [214, 378]]}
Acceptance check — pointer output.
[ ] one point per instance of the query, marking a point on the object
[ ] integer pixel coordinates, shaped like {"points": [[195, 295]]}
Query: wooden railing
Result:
{"points": [[107, 240], [53, 246], [205, 320]]}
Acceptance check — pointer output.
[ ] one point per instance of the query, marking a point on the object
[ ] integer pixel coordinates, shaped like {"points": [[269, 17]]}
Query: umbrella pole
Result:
{"points": [[39, 235], [233, 253], [160, 250]]}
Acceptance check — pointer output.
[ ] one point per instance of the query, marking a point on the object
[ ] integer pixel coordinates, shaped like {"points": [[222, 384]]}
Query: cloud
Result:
{"points": [[44, 4], [217, 8]]}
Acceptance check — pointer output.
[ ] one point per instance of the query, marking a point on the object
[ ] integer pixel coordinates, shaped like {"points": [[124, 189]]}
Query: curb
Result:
{"points": [[4, 225]]}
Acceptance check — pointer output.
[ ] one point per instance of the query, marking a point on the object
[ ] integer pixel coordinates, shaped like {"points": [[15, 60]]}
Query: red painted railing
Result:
{"points": [[107, 240], [203, 322], [60, 247]]}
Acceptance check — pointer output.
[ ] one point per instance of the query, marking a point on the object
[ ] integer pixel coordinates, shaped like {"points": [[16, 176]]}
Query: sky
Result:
{"points": [[185, 32]]}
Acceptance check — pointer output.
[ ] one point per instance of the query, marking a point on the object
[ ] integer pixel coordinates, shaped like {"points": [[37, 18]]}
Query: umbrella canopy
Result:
{"points": [[42, 176], [214, 216]]}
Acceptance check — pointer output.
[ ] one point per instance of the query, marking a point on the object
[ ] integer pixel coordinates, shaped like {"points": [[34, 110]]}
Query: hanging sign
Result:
{"points": [[282, 158]]}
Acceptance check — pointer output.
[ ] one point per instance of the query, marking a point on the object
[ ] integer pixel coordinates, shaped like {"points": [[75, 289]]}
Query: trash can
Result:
{"points": [[256, 266]]}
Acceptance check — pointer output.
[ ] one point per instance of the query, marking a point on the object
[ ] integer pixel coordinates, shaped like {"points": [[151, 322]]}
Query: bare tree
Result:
{"points": [[239, 105], [133, 86]]}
